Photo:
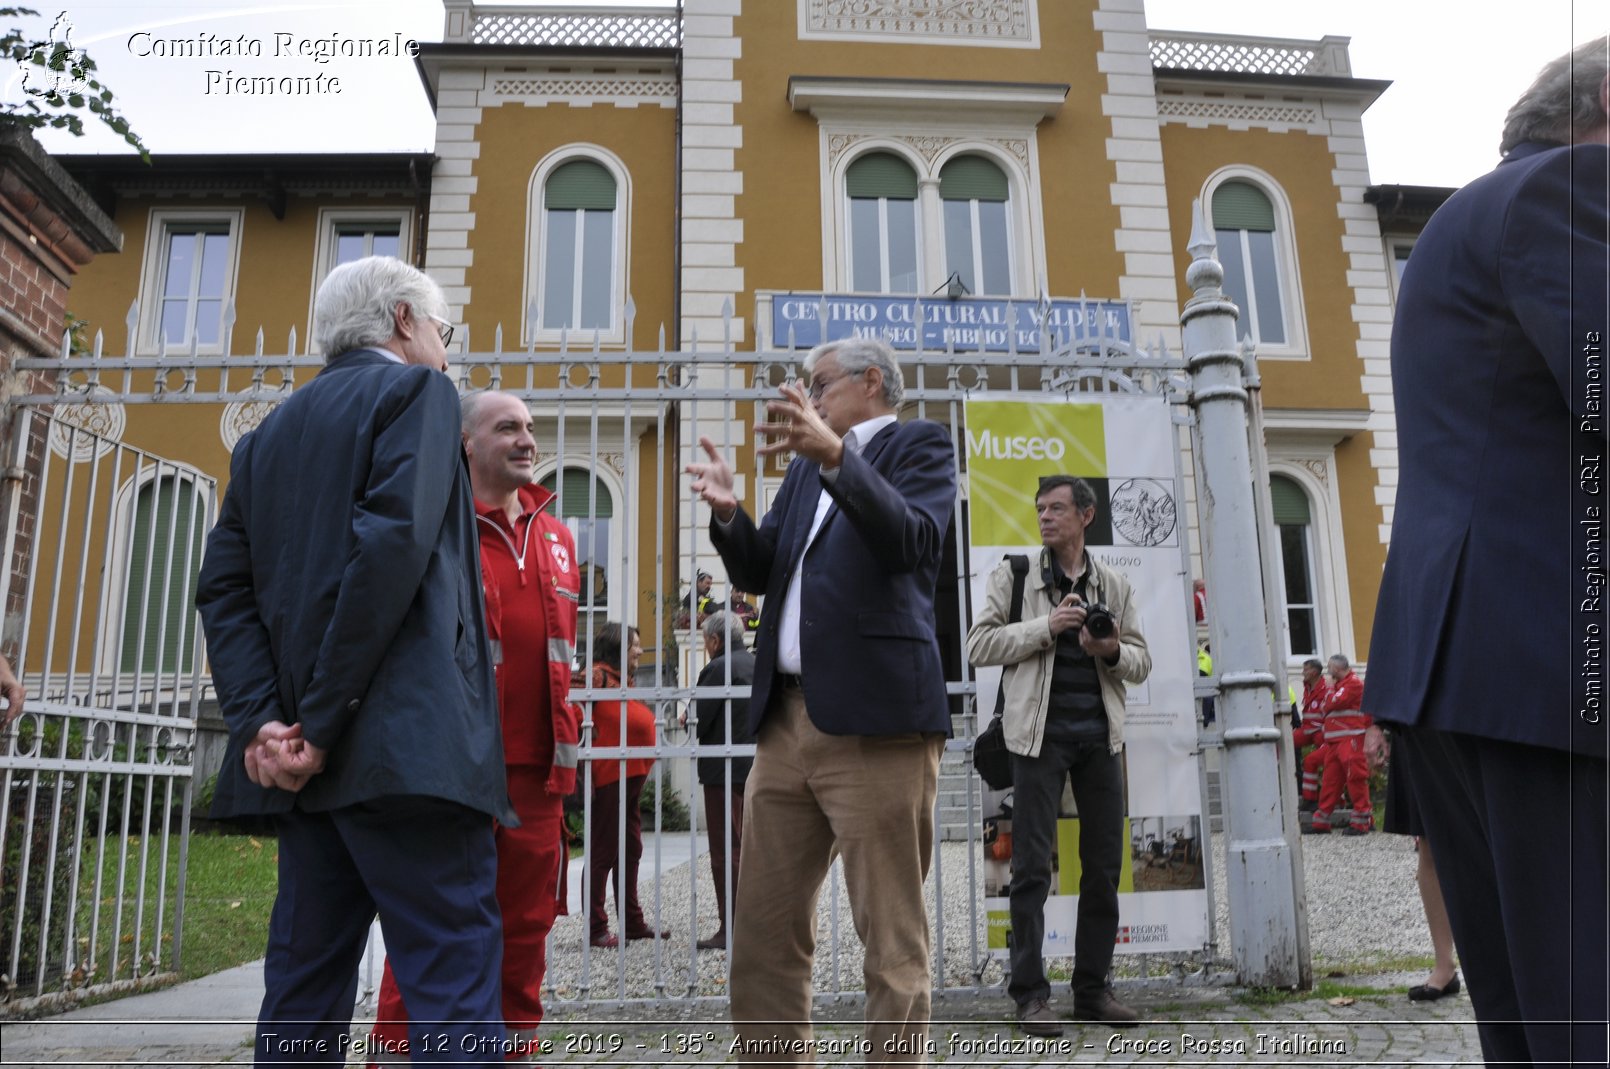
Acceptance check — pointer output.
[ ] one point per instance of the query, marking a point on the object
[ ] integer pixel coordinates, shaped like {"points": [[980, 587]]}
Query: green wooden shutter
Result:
{"points": [[971, 178], [579, 184], [1289, 502], [576, 500], [1242, 206], [160, 530], [881, 174]]}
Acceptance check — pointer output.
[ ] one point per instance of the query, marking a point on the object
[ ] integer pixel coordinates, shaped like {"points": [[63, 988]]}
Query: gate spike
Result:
{"points": [[99, 345], [229, 325], [497, 338], [132, 321], [290, 348], [259, 351]]}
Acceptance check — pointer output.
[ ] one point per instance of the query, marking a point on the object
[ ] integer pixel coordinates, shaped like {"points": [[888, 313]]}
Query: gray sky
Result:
{"points": [[1455, 71]]}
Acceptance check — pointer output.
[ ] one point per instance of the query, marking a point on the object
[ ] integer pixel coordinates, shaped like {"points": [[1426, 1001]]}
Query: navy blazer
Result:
{"points": [[1487, 590], [341, 591], [869, 655]]}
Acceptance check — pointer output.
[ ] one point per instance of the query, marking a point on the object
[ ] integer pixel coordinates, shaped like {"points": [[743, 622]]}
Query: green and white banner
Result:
{"points": [[1124, 446]]}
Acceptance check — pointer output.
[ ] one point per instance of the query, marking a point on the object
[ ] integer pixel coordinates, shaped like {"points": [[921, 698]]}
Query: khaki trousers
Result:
{"points": [[873, 798]]}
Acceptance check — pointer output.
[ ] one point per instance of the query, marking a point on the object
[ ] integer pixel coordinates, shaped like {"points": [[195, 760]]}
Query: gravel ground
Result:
{"points": [[1364, 916]]}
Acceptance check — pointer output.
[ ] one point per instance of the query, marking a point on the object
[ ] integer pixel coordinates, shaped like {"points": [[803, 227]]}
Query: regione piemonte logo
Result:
{"points": [[63, 72]]}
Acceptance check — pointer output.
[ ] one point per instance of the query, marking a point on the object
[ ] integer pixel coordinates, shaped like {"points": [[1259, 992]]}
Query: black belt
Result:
{"points": [[790, 682]]}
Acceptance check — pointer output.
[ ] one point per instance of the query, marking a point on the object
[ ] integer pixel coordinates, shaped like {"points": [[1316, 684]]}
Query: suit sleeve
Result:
{"points": [[995, 640], [747, 551], [902, 519], [1553, 261], [396, 526], [239, 649]]}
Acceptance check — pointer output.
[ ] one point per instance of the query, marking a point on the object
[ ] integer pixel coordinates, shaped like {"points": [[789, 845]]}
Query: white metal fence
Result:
{"points": [[614, 430]]}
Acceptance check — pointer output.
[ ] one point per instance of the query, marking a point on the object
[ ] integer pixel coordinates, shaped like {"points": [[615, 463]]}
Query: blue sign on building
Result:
{"points": [[937, 324]]}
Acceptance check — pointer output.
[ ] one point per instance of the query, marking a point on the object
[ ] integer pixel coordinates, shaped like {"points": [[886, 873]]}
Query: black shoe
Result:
{"points": [[1428, 993], [1309, 829], [1036, 1019], [714, 942], [1351, 830], [1104, 1007], [1307, 805]]}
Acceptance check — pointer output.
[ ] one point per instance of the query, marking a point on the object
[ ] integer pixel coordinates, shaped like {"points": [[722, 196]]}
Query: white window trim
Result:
{"points": [[324, 249], [1025, 221], [1296, 346], [1327, 548], [115, 591], [1393, 244], [536, 249], [147, 334]]}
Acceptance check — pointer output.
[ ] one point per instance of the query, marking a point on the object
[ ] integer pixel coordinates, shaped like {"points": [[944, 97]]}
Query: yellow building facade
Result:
{"points": [[608, 180]]}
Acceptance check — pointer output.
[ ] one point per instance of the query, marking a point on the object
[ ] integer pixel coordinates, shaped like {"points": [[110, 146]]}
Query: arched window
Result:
{"points": [[166, 532], [579, 202], [974, 193], [587, 508], [1293, 520], [1244, 219], [882, 191]]}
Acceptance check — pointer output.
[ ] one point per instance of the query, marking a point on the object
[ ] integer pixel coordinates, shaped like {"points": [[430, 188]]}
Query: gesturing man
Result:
{"points": [[342, 608], [531, 586], [848, 707], [1067, 661]]}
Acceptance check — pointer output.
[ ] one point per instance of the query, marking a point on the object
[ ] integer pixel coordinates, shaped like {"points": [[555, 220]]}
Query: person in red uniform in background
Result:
{"points": [[1345, 726], [611, 646], [532, 586], [1310, 731]]}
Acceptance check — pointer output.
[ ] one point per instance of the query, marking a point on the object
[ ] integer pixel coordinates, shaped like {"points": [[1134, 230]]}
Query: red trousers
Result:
{"points": [[1346, 761], [1313, 765], [715, 813], [530, 892], [604, 846]]}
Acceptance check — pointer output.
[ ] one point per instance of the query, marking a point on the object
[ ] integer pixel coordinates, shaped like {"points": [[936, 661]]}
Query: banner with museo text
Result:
{"points": [[1124, 446]]}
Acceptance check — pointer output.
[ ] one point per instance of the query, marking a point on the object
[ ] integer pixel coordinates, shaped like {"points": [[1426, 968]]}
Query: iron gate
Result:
{"points": [[95, 776], [625, 422]]}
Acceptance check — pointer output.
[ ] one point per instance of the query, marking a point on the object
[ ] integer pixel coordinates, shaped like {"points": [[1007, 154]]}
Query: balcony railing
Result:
{"points": [[1239, 54]]}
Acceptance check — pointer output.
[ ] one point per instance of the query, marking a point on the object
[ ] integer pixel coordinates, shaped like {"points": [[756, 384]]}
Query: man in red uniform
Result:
{"points": [[532, 586], [1345, 726], [1310, 731]]}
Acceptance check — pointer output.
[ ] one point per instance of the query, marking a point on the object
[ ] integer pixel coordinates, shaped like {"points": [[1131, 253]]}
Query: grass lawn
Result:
{"points": [[229, 892]]}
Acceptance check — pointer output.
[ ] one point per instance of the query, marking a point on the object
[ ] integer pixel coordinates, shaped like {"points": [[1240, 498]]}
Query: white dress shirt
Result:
{"points": [[788, 654]]}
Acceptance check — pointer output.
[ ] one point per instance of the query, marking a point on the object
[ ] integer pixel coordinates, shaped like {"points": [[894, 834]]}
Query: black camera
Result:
{"points": [[1099, 621]]}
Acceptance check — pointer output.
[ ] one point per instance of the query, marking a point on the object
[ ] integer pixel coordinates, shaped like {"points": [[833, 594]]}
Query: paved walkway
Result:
{"points": [[209, 1022]]}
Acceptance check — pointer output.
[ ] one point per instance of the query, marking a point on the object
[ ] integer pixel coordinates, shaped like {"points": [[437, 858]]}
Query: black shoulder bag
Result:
{"points": [[990, 757]]}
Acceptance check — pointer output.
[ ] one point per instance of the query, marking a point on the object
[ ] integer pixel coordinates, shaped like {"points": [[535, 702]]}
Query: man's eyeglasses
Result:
{"points": [[443, 328], [821, 386]]}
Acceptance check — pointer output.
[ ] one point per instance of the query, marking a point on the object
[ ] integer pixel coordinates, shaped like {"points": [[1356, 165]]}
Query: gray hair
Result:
{"points": [[469, 407], [1337, 658], [724, 628], [855, 355], [357, 303], [1084, 495], [1563, 105]]}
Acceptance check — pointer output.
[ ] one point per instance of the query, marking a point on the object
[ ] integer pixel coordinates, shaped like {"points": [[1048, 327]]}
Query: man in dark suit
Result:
{"points": [[341, 599], [722, 721], [1488, 639], [848, 707]]}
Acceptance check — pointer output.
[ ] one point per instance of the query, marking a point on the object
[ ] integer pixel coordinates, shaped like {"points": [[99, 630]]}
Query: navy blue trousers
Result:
{"points": [[1518, 837], [429, 868]]}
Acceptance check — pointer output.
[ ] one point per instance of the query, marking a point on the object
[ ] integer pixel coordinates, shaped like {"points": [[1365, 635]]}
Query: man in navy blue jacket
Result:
{"points": [[848, 707], [341, 599], [1488, 643]]}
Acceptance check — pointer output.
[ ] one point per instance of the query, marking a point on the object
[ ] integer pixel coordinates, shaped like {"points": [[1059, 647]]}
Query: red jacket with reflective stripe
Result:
{"points": [[532, 586], [1342, 716]]}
